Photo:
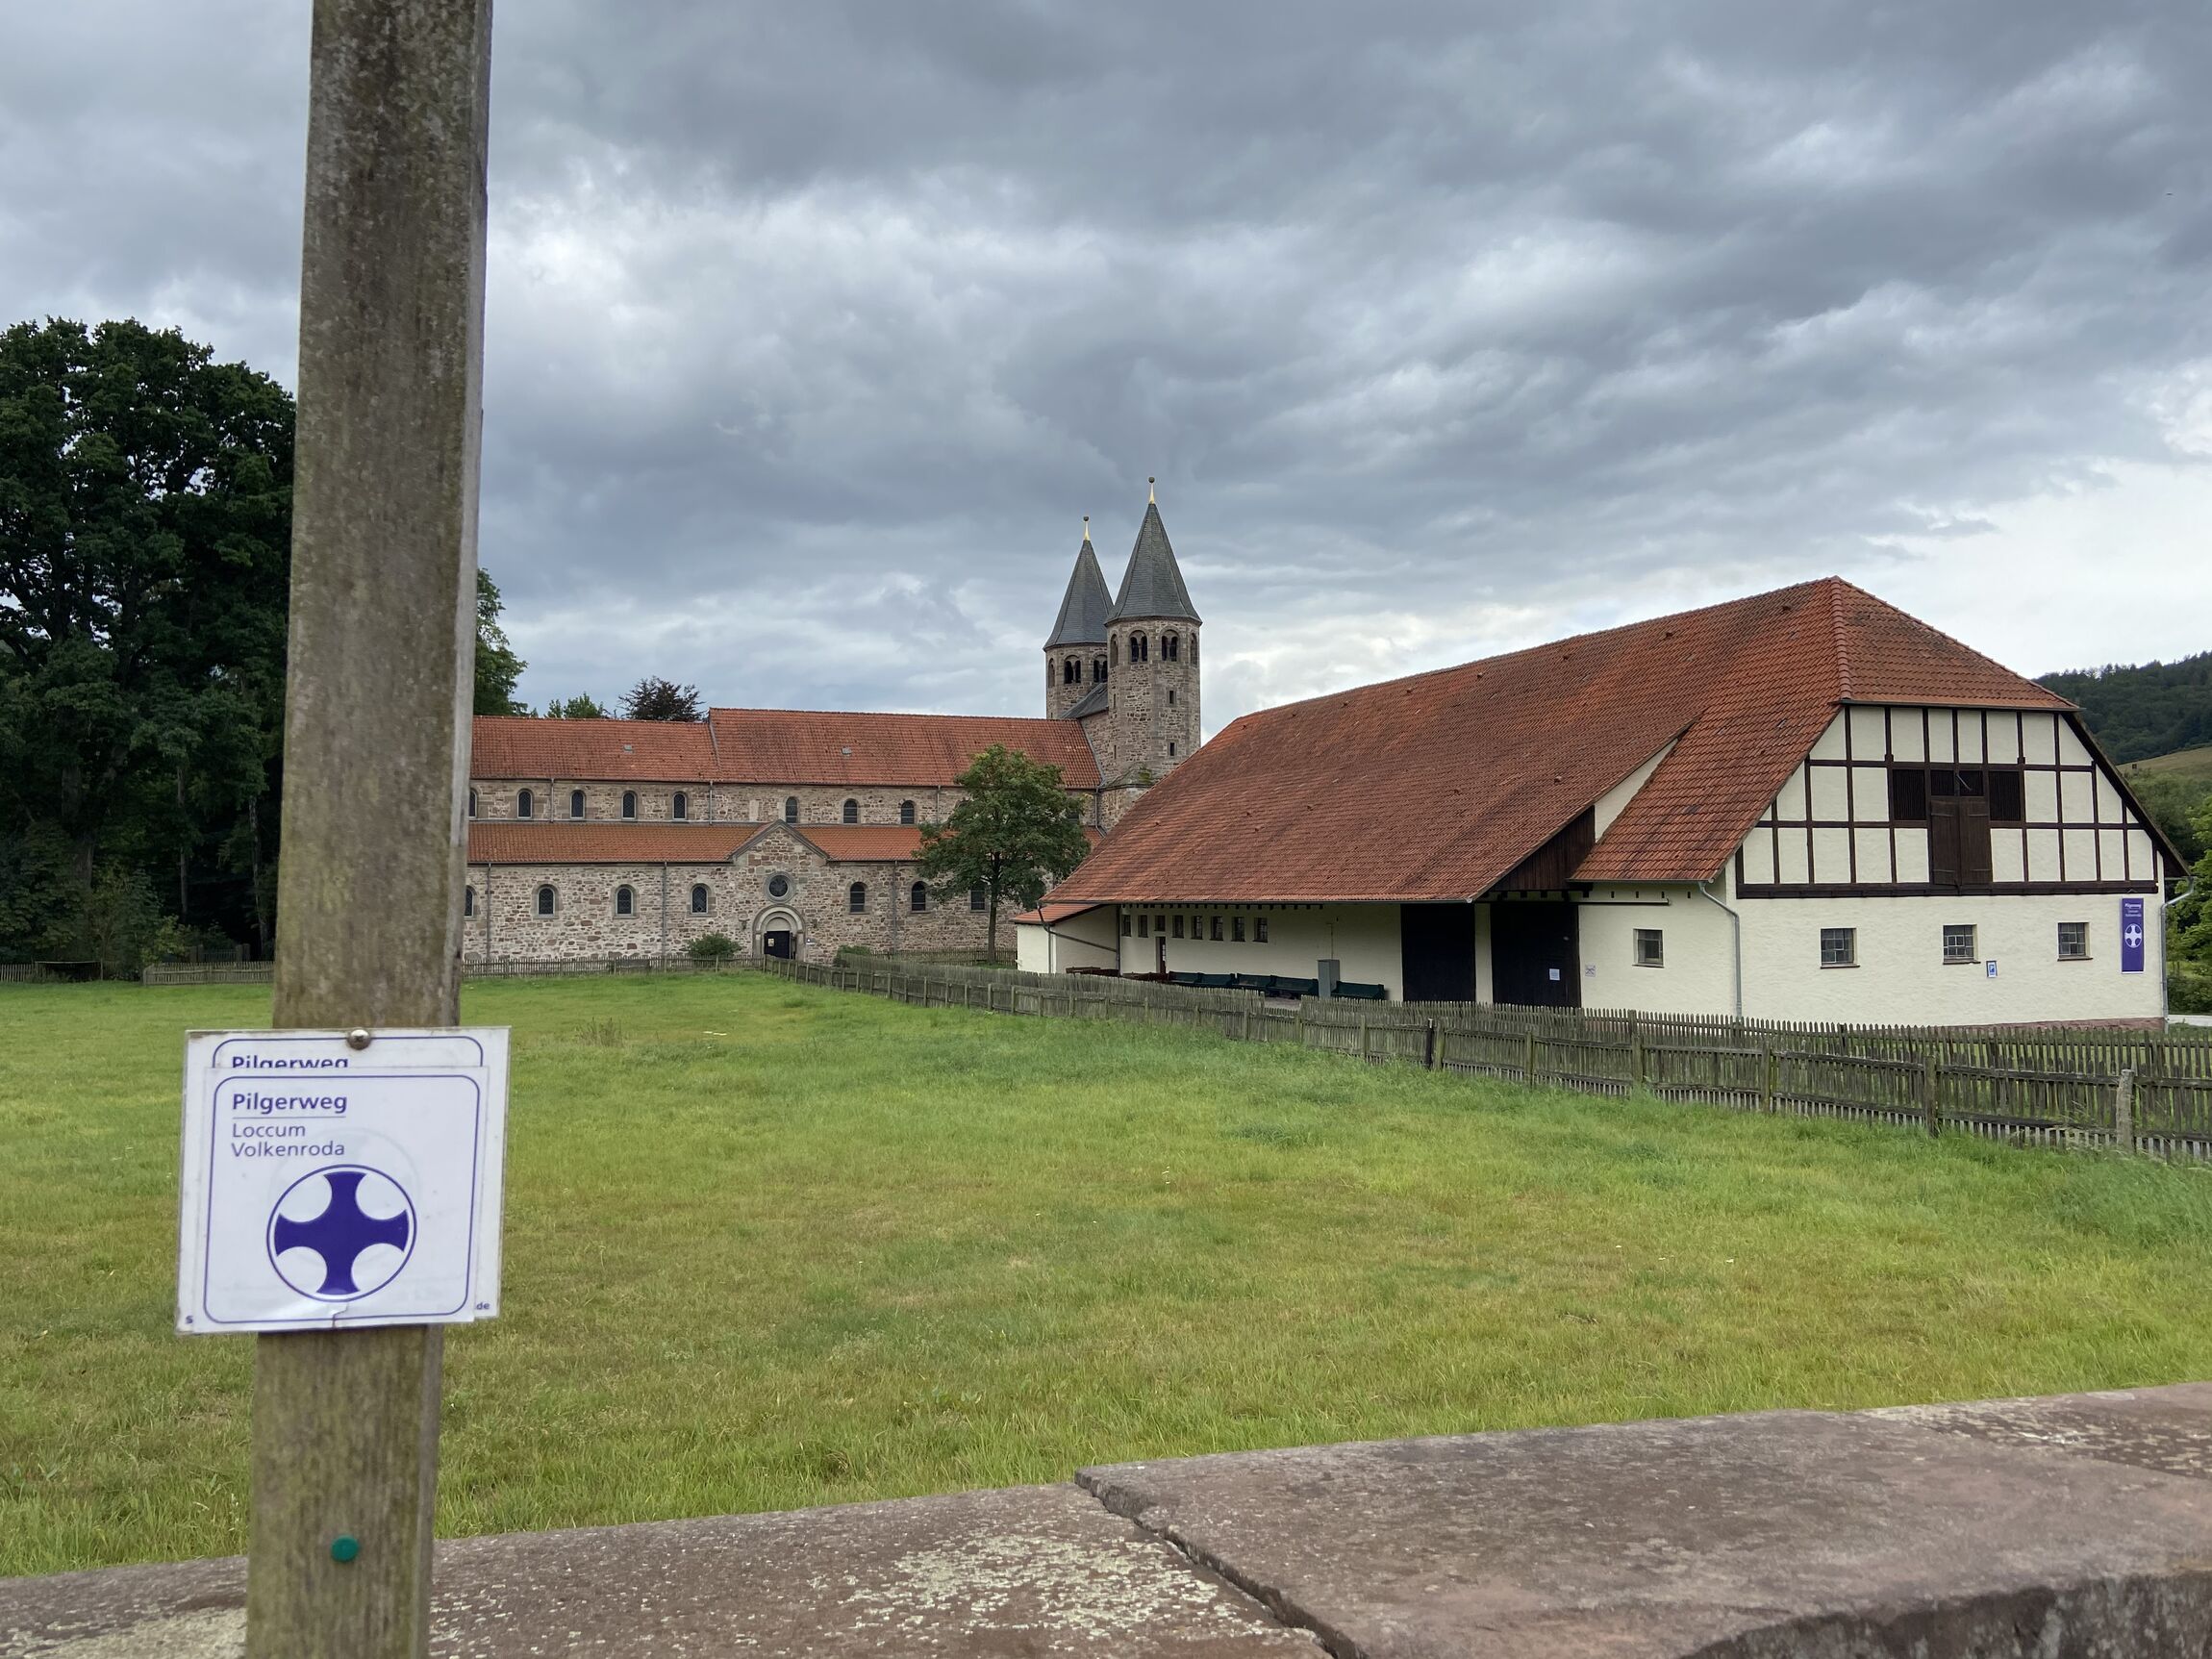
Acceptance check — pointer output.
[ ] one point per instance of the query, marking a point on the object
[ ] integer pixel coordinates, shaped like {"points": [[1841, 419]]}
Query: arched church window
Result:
{"points": [[856, 899], [1097, 670], [575, 803], [1072, 671], [468, 901], [905, 811], [629, 803], [1168, 647], [625, 901], [471, 803], [545, 901], [1138, 650], [852, 812], [791, 808], [699, 898], [525, 802], [917, 897], [680, 806]]}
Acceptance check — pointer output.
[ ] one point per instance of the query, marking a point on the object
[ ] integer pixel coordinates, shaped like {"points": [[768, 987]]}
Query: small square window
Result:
{"points": [[1259, 930], [1651, 947], [2073, 941], [1958, 942], [1839, 947]]}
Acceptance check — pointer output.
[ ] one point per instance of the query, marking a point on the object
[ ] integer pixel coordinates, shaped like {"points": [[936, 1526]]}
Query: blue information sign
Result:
{"points": [[2131, 936]]}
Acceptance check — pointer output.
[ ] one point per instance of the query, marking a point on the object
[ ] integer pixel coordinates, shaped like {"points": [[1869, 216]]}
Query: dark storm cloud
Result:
{"points": [[812, 330]]}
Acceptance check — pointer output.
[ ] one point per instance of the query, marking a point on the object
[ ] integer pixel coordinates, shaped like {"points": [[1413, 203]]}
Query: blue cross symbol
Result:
{"points": [[341, 1233]]}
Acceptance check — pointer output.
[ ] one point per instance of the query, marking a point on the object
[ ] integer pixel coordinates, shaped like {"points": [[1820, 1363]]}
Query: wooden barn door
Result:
{"points": [[1535, 953]]}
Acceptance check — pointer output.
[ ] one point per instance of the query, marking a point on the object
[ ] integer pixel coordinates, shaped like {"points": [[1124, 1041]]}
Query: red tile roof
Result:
{"points": [[1046, 915], [773, 746], [507, 842], [1435, 786], [862, 844], [626, 751], [801, 746]]}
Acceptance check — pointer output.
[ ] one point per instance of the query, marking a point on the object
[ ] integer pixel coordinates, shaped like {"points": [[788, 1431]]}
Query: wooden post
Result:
{"points": [[1528, 1058], [1769, 1065], [1428, 1047], [383, 626], [2123, 1111], [1636, 1076], [1931, 1098]]}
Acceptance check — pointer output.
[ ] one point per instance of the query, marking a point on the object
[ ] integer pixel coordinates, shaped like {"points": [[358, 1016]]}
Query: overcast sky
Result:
{"points": [[814, 329]]}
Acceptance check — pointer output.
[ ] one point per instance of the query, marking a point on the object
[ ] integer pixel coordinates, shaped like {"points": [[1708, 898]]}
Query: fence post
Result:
{"points": [[1428, 1047], [2123, 1111], [1931, 1098], [1362, 1037], [1636, 1076], [1770, 1064], [1528, 1058], [1247, 1022]]}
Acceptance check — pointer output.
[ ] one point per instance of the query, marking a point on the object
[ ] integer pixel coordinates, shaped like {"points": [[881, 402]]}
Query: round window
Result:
{"points": [[779, 885]]}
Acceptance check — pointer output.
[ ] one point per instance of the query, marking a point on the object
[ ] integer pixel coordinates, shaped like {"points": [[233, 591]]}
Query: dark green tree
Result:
{"points": [[2149, 709], [497, 666], [146, 531], [580, 707], [654, 698], [1015, 834]]}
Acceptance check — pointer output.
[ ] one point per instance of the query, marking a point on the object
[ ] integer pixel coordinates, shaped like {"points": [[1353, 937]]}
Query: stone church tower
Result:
{"points": [[1128, 669]]}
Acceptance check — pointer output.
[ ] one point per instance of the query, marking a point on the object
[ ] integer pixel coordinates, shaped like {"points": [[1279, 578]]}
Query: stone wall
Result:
{"points": [[1153, 725], [585, 924], [721, 803]]}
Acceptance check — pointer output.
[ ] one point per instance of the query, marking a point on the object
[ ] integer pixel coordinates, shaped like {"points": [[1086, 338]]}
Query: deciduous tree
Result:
{"points": [[1014, 835], [654, 698]]}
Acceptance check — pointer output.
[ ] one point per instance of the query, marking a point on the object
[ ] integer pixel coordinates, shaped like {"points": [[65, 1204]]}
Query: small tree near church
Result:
{"points": [[1013, 836]]}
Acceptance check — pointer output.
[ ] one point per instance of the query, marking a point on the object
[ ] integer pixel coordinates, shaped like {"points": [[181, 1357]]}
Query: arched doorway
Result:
{"points": [[778, 933]]}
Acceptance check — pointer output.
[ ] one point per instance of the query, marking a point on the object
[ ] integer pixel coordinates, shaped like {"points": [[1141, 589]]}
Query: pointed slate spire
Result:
{"points": [[1082, 620], [1154, 584]]}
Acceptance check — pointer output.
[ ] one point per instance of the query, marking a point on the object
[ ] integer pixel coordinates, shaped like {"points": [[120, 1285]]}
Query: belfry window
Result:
{"points": [[1097, 670], [1138, 650], [1168, 647], [1072, 671], [852, 812]]}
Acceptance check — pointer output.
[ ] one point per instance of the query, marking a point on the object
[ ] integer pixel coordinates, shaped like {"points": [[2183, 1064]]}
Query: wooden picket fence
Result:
{"points": [[2138, 1090]]}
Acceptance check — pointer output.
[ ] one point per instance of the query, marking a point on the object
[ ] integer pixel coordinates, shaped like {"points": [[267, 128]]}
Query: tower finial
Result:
{"points": [[1151, 495], [1086, 526]]}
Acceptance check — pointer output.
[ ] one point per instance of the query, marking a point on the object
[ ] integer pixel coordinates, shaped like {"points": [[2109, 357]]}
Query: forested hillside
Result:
{"points": [[2152, 709]]}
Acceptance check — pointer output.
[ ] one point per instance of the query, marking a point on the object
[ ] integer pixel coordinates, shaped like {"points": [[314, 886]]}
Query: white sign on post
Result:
{"points": [[331, 1182]]}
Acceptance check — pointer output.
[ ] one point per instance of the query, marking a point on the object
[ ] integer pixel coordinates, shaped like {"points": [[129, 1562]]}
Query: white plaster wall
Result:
{"points": [[1698, 976], [1902, 979], [1363, 937], [1614, 801]]}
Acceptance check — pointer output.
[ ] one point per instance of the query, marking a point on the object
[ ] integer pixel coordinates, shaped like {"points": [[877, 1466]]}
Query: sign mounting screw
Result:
{"points": [[357, 1038]]}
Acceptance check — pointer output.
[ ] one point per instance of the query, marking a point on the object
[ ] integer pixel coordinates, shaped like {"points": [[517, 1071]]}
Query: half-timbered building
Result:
{"points": [[1802, 805]]}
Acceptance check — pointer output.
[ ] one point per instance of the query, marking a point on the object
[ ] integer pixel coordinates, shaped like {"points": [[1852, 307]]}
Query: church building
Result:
{"points": [[793, 833], [1803, 805]]}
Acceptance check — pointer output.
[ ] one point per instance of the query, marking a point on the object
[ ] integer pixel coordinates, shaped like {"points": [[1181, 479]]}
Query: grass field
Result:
{"points": [[769, 1247], [2194, 765]]}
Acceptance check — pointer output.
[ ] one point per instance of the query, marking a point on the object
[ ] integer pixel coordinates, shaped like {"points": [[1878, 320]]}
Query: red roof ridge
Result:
{"points": [[1835, 586], [880, 714]]}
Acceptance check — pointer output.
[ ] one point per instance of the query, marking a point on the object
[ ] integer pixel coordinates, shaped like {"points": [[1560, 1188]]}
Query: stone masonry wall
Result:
{"points": [[719, 803], [1155, 702], [506, 927]]}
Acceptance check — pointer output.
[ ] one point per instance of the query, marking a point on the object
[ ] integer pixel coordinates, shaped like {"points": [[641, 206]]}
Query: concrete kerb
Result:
{"points": [[2076, 1524]]}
